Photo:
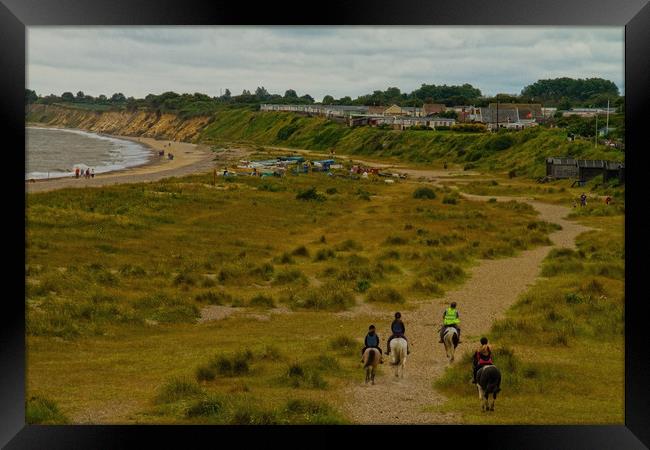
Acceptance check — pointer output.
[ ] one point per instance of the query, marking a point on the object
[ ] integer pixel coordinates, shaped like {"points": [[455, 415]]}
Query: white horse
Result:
{"points": [[450, 339], [371, 358], [398, 355]]}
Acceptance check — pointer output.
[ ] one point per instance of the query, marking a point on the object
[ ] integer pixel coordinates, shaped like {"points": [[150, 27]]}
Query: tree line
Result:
{"points": [[563, 93]]}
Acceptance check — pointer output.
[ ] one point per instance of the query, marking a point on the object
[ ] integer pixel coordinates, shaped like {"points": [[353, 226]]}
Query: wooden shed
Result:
{"points": [[561, 168]]}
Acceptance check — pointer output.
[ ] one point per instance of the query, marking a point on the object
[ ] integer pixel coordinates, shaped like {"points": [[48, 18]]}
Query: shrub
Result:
{"points": [[383, 294], [331, 191], [299, 375], [424, 193], [128, 270], [310, 195], [40, 410]]}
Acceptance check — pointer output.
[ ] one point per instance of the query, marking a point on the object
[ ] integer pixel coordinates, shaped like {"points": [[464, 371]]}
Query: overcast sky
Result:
{"points": [[315, 60]]}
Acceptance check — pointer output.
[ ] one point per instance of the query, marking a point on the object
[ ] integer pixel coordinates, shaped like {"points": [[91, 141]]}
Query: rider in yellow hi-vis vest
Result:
{"points": [[450, 318]]}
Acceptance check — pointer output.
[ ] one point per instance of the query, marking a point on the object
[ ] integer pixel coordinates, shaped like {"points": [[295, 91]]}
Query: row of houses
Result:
{"points": [[515, 116], [584, 169]]}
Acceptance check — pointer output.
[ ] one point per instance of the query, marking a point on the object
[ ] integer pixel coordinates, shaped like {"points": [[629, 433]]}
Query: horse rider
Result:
{"points": [[482, 357], [398, 329], [450, 318], [372, 341]]}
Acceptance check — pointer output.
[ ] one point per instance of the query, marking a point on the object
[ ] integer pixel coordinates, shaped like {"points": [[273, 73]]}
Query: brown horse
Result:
{"points": [[371, 358]]}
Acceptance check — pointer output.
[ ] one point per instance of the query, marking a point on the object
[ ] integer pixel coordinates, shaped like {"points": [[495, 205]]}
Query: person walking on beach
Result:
{"points": [[87, 173], [92, 173], [76, 172]]}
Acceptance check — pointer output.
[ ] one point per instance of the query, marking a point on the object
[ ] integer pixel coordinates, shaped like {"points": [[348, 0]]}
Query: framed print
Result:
{"points": [[407, 216]]}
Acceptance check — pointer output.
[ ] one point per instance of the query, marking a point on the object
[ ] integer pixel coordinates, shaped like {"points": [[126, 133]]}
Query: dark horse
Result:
{"points": [[488, 382]]}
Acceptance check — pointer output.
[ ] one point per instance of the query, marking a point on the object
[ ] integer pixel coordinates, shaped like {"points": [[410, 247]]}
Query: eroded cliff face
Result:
{"points": [[138, 123]]}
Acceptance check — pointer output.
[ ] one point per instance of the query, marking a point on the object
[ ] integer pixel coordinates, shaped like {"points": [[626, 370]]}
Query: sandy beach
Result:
{"points": [[188, 159]]}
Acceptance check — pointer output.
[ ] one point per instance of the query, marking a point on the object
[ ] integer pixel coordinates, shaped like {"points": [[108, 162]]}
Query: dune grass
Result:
{"points": [[117, 278]]}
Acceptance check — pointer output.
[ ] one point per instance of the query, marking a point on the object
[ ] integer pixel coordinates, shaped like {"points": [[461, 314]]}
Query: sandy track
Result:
{"points": [[493, 287]]}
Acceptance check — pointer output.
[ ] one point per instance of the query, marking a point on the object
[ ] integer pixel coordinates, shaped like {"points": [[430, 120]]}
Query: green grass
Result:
{"points": [[43, 411], [117, 278]]}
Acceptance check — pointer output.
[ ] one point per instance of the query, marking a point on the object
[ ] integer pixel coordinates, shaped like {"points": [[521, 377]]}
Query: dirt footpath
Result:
{"points": [[493, 286]]}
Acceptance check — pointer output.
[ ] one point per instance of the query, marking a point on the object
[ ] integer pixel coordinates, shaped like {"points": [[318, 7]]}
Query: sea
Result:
{"points": [[56, 152]]}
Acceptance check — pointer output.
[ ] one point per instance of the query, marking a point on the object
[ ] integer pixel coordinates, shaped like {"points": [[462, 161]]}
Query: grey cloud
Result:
{"points": [[315, 60]]}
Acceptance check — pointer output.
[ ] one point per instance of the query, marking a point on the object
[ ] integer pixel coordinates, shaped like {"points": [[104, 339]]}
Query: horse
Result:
{"points": [[371, 358], [450, 339], [398, 354], [488, 382]]}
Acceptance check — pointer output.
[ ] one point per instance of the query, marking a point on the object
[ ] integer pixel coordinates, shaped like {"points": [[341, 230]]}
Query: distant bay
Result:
{"points": [[56, 152]]}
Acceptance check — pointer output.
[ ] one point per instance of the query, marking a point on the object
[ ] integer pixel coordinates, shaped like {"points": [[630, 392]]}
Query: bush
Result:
{"points": [[40, 410], [331, 191], [424, 193], [310, 195], [381, 294], [362, 286], [234, 365], [263, 271]]}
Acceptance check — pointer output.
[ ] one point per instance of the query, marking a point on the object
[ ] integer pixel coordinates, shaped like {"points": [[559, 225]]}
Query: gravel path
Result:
{"points": [[493, 287]]}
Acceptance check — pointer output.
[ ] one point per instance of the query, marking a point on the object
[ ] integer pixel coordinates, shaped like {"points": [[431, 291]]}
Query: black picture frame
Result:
{"points": [[15, 15]]}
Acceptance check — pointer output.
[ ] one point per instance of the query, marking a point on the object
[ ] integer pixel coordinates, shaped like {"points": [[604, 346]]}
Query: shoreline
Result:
{"points": [[188, 159]]}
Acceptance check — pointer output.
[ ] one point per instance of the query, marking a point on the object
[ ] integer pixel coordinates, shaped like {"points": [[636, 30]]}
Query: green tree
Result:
{"points": [[67, 97], [118, 98], [328, 100], [30, 96], [290, 94]]}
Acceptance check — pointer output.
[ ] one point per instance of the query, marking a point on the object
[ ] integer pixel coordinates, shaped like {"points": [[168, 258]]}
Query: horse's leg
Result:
{"points": [[372, 375]]}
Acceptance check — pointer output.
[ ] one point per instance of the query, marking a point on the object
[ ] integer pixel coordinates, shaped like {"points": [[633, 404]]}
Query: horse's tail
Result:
{"points": [[370, 359]]}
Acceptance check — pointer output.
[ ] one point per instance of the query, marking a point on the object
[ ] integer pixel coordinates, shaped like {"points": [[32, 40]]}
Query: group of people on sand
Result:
{"points": [[450, 318], [88, 173]]}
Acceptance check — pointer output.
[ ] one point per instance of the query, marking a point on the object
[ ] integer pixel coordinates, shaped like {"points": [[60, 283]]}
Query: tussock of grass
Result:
{"points": [[348, 245], [178, 389], [382, 294], [323, 254], [344, 344], [214, 297], [290, 276], [329, 297], [43, 411], [300, 251], [424, 193], [261, 300]]}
